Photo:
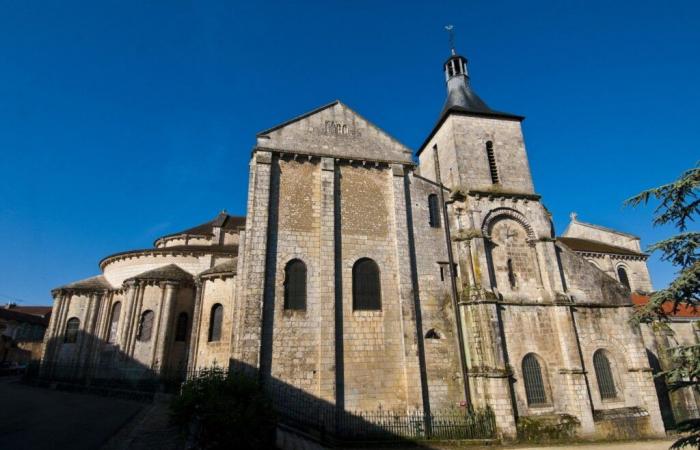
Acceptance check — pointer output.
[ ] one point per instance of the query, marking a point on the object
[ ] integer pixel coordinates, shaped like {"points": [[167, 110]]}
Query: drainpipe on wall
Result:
{"points": [[453, 281]]}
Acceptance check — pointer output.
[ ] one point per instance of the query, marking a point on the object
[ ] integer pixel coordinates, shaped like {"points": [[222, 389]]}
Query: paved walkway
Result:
{"points": [[661, 444], [42, 419]]}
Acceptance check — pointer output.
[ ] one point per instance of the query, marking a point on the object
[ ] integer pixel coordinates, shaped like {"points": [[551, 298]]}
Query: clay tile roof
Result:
{"points": [[41, 311], [682, 311], [171, 272], [585, 245], [228, 267], [222, 220], [11, 314], [96, 283]]}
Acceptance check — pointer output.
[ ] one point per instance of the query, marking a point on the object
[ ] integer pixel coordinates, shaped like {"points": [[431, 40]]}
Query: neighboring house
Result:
{"points": [[341, 281], [22, 331], [682, 328]]}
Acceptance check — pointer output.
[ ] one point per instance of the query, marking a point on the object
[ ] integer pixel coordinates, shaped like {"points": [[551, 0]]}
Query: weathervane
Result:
{"points": [[451, 33]]}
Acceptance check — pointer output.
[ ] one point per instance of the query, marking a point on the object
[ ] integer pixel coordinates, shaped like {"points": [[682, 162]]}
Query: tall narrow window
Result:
{"points": [[622, 275], [366, 290], [534, 384], [114, 323], [511, 274], [492, 162], [215, 319], [181, 327], [603, 373], [146, 326], [295, 285], [72, 328], [434, 211]]}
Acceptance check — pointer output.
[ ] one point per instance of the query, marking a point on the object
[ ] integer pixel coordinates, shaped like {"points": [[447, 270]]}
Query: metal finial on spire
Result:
{"points": [[451, 33]]}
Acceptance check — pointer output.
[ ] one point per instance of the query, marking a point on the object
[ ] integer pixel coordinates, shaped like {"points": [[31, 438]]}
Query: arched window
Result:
{"points": [[434, 211], [146, 326], [622, 275], [492, 162], [534, 383], [114, 323], [295, 285], [366, 290], [181, 327], [603, 373], [433, 334], [215, 319], [72, 328]]}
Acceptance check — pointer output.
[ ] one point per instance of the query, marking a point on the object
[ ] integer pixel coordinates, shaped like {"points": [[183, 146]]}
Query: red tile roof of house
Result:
{"points": [[683, 310]]}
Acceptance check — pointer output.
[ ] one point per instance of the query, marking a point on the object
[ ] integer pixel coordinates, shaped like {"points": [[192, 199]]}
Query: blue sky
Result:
{"points": [[121, 121]]}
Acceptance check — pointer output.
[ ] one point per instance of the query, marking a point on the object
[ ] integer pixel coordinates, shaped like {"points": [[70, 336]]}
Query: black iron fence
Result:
{"points": [[301, 410], [293, 406]]}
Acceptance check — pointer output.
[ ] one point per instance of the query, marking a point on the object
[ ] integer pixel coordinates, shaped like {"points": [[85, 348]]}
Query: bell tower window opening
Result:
{"points": [[434, 211], [492, 162]]}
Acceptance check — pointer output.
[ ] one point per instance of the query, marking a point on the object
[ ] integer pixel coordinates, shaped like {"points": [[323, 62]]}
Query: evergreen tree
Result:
{"points": [[678, 205]]}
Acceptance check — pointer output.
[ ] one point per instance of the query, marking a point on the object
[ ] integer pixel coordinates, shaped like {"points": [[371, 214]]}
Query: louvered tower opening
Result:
{"points": [[492, 162]]}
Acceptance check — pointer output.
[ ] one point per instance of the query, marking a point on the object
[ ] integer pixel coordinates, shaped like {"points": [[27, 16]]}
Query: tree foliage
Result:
{"points": [[222, 410], [678, 205]]}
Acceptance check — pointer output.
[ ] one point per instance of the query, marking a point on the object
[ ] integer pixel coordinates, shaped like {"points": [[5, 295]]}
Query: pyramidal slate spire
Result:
{"points": [[459, 92]]}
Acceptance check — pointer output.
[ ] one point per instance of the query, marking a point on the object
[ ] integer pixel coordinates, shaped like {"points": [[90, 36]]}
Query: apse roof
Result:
{"points": [[586, 245], [171, 272], [225, 267], [223, 220], [97, 282]]}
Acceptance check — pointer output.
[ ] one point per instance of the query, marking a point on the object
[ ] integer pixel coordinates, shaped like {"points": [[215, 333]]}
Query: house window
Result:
{"points": [[492, 162], [215, 319], [72, 328], [114, 323], [366, 290], [622, 275], [434, 211], [603, 373], [295, 285], [534, 383], [181, 327], [146, 326]]}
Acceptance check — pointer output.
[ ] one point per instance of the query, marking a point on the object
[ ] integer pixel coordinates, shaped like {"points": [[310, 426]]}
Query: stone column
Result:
{"points": [[193, 347], [409, 333], [573, 378], [326, 284], [254, 283], [50, 336], [127, 311], [164, 330]]}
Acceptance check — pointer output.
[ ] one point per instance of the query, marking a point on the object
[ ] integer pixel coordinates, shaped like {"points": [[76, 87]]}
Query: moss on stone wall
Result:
{"points": [[547, 428]]}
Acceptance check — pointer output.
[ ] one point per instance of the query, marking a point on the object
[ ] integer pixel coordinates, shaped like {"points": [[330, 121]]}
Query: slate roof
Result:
{"points": [[96, 283], [171, 272], [228, 267], [586, 245], [223, 220]]}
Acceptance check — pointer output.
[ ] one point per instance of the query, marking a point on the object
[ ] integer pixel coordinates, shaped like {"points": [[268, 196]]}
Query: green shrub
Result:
{"points": [[220, 410]]}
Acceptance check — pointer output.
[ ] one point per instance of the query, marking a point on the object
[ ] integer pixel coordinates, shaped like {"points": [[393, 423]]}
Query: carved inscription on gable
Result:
{"points": [[333, 128]]}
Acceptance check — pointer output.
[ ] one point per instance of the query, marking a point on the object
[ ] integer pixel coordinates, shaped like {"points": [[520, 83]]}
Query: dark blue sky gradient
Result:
{"points": [[123, 121]]}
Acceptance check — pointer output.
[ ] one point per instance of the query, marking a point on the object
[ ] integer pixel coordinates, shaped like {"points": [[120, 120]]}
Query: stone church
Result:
{"points": [[371, 276]]}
